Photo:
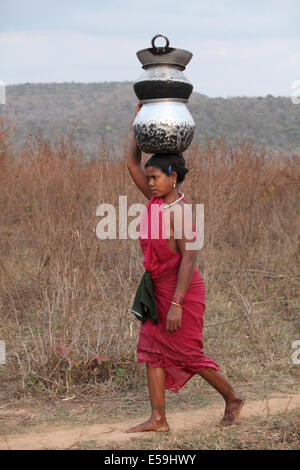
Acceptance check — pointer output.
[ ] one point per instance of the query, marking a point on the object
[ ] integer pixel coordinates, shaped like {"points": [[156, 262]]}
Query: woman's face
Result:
{"points": [[159, 183]]}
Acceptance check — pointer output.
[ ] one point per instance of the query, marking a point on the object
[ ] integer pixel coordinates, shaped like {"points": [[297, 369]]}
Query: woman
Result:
{"points": [[172, 348]]}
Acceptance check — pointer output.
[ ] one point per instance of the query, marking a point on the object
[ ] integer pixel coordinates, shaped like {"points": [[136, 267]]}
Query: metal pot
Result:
{"points": [[162, 81], [163, 77], [164, 125]]}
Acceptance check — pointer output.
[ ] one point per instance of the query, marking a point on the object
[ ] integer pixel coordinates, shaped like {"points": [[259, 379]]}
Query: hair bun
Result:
{"points": [[182, 160]]}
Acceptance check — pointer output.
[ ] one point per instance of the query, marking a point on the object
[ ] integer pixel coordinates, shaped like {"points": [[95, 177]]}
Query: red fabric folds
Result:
{"points": [[180, 352]]}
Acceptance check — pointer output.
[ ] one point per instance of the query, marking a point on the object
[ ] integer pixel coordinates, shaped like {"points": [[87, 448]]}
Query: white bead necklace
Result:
{"points": [[177, 200]]}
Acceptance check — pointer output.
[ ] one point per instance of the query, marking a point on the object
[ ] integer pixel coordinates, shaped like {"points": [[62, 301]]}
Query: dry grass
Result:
{"points": [[65, 296], [278, 432]]}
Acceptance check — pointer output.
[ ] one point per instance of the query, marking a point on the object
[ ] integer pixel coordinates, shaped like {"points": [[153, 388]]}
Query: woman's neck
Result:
{"points": [[172, 196]]}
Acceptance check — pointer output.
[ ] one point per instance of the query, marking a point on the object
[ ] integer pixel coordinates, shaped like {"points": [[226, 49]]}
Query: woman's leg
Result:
{"points": [[156, 385], [233, 400]]}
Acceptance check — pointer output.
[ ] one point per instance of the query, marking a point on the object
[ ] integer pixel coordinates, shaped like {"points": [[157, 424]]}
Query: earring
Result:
{"points": [[174, 184]]}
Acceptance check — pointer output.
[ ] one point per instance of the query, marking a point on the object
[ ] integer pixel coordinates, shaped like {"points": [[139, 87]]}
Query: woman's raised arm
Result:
{"points": [[134, 166]]}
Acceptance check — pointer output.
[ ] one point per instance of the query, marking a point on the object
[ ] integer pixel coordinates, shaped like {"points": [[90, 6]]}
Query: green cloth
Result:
{"points": [[144, 304]]}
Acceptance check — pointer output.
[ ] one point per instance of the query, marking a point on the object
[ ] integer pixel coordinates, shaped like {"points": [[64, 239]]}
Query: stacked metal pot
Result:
{"points": [[164, 124]]}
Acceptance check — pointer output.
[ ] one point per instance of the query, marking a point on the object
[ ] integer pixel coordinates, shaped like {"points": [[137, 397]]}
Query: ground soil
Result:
{"points": [[113, 434]]}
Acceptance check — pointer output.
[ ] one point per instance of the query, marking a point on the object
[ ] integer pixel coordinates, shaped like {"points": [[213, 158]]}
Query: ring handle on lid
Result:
{"points": [[160, 36]]}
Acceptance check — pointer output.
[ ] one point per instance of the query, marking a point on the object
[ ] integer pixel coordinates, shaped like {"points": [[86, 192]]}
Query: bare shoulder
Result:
{"points": [[182, 219]]}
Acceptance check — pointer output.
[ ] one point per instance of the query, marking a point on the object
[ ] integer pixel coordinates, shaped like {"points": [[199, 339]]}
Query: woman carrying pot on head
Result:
{"points": [[170, 338]]}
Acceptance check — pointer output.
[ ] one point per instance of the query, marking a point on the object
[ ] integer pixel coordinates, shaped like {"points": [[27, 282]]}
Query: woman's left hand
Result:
{"points": [[174, 318]]}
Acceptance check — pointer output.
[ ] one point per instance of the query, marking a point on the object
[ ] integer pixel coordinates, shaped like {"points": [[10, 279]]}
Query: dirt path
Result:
{"points": [[63, 437]]}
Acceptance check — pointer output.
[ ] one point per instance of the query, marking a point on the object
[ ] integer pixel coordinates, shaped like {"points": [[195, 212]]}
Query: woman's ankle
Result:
{"points": [[158, 415], [233, 396]]}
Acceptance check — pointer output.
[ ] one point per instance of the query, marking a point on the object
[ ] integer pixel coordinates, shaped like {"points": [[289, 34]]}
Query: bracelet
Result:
{"points": [[178, 298], [174, 303]]}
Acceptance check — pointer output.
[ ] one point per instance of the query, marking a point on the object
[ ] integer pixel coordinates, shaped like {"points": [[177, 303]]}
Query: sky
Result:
{"points": [[240, 47]]}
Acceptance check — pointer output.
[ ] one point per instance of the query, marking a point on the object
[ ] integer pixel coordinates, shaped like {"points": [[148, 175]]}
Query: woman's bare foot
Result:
{"points": [[151, 425], [232, 411]]}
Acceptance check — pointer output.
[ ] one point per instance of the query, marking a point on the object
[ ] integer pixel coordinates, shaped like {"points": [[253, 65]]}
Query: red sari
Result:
{"points": [[180, 353]]}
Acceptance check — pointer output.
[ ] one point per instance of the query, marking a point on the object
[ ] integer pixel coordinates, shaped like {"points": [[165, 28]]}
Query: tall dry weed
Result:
{"points": [[66, 295]]}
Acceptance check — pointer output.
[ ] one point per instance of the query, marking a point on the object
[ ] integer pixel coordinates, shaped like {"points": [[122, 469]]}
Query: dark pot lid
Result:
{"points": [[163, 55]]}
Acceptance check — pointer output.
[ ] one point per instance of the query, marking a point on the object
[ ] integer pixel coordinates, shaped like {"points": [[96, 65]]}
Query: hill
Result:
{"points": [[105, 110]]}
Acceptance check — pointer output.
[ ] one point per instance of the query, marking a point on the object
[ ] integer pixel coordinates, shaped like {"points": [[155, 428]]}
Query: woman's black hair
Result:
{"points": [[163, 160]]}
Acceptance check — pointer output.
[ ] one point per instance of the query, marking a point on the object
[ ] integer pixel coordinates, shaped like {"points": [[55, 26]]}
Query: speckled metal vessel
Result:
{"points": [[164, 126], [162, 81]]}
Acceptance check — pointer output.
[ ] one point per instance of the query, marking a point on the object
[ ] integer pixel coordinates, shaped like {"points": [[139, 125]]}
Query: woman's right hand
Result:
{"points": [[137, 110], [139, 105], [174, 318]]}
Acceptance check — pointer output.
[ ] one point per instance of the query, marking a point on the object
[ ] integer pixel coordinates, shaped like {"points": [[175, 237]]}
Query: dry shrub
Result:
{"points": [[63, 289]]}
